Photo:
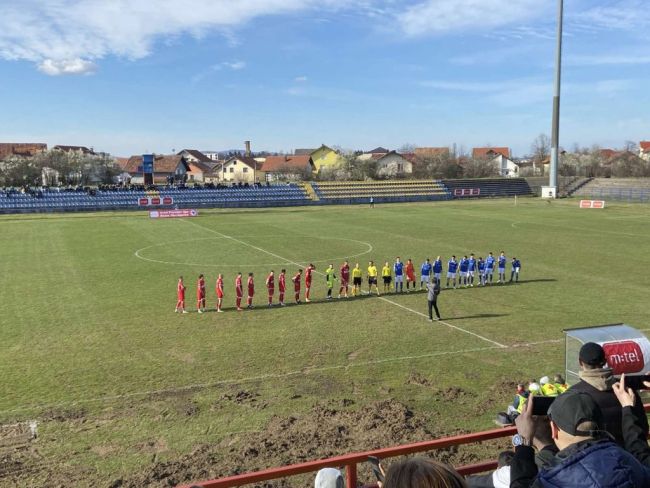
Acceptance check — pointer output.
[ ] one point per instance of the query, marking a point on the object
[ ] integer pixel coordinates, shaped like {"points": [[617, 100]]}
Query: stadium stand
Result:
{"points": [[488, 187], [52, 200], [624, 189], [350, 192]]}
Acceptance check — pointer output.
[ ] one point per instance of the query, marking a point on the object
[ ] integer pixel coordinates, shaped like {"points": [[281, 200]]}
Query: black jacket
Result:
{"points": [[612, 410]]}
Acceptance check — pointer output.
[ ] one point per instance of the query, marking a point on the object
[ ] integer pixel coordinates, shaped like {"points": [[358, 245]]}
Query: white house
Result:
{"points": [[644, 150], [392, 164], [501, 156], [241, 169]]}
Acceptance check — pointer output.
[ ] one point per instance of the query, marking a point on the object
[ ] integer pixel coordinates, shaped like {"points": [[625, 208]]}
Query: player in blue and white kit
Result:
{"points": [[452, 268], [516, 266], [502, 267], [471, 269], [437, 269], [464, 266], [489, 268], [425, 272], [481, 271], [398, 268]]}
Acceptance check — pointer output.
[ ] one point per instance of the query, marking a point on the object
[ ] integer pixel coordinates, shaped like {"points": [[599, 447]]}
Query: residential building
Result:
{"points": [[21, 149], [431, 152], [81, 150], [644, 150], [500, 156], [303, 152], [198, 164], [392, 164], [325, 157], [372, 154], [288, 167], [213, 155], [166, 168], [241, 169]]}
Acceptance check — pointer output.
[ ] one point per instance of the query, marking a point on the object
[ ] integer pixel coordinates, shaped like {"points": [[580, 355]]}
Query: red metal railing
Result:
{"points": [[349, 461]]}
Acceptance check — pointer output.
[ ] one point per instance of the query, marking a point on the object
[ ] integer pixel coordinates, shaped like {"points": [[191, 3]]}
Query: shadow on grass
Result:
{"points": [[479, 316]]}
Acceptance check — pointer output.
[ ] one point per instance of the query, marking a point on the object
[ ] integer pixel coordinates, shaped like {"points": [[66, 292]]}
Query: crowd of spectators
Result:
{"points": [[594, 435]]}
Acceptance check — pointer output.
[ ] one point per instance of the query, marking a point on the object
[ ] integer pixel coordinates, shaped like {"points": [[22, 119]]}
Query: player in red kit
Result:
{"points": [[219, 290], [239, 290], [200, 294], [180, 296], [282, 286], [296, 284], [410, 275], [345, 279], [251, 290], [270, 286], [308, 274]]}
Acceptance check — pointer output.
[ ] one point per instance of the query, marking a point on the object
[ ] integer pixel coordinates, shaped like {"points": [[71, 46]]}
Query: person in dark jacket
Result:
{"points": [[636, 440], [596, 379], [587, 457], [433, 290]]}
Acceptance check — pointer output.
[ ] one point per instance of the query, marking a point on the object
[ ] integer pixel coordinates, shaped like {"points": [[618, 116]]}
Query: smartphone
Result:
{"points": [[635, 381], [374, 464], [541, 404]]}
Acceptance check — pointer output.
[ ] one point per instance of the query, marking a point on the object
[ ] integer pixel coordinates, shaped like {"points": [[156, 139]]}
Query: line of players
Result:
{"points": [[466, 270]]}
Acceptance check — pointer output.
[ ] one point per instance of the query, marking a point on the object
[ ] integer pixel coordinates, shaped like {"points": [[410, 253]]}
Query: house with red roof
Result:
{"points": [[165, 168], [288, 167], [500, 156], [241, 169], [20, 149], [644, 150]]}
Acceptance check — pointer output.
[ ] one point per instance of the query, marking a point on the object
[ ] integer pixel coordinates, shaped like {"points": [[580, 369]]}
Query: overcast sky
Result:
{"points": [[134, 76]]}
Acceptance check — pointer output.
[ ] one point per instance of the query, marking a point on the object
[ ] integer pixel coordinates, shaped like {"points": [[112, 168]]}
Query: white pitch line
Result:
{"points": [[304, 371], [323, 274], [498, 344]]}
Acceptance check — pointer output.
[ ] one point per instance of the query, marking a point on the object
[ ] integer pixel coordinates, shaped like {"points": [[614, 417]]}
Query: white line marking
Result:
{"points": [[248, 379], [138, 253], [323, 274], [443, 322]]}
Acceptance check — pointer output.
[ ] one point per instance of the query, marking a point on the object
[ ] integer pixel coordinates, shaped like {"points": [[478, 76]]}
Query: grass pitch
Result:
{"points": [[93, 350]]}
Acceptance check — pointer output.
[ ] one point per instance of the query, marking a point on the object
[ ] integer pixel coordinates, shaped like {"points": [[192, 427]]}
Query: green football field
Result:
{"points": [[92, 348]]}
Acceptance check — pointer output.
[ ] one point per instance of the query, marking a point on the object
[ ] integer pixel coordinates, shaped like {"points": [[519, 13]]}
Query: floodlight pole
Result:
{"points": [[555, 130]]}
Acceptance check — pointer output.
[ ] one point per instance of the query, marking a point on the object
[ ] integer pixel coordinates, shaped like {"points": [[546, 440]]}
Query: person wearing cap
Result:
{"points": [[586, 455], [596, 379], [329, 478]]}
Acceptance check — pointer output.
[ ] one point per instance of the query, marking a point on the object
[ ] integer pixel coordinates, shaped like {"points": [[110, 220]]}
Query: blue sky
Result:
{"points": [[135, 76]]}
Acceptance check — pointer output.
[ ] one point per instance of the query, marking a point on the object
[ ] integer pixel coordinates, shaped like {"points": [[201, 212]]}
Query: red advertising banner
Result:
{"points": [[467, 192], [166, 214], [592, 203], [155, 201], [624, 357]]}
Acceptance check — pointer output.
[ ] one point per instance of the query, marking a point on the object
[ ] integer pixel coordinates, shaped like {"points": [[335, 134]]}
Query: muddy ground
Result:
{"points": [[330, 428]]}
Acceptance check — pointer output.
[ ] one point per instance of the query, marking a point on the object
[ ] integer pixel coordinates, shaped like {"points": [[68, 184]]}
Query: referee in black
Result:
{"points": [[433, 290]]}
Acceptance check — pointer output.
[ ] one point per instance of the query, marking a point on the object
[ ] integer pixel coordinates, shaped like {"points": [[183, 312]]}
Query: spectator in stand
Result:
{"points": [[596, 379], [496, 479], [329, 478], [585, 456], [560, 383], [419, 472], [548, 389], [520, 399]]}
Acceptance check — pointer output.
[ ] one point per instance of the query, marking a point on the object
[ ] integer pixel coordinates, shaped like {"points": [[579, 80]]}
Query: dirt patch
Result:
{"points": [[329, 429], [354, 355], [64, 414], [103, 450], [242, 397], [452, 393], [418, 379]]}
